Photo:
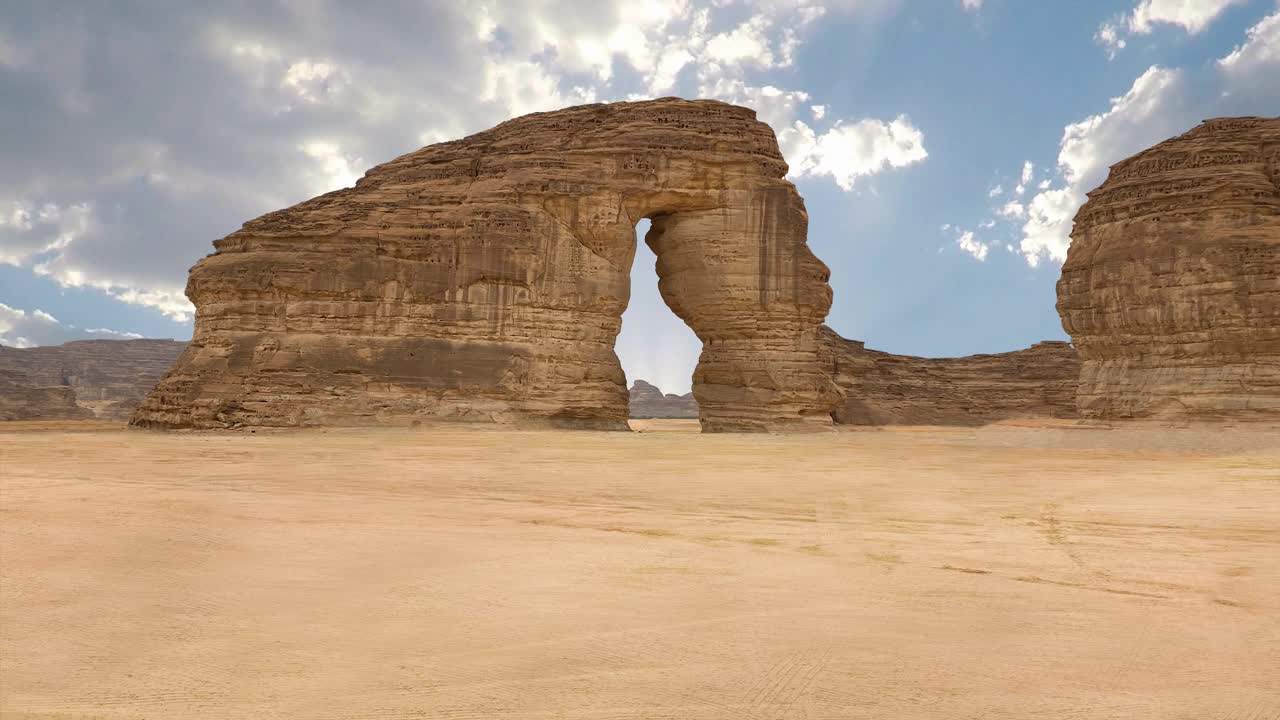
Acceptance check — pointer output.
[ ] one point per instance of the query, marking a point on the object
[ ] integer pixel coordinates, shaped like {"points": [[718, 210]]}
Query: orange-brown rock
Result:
{"points": [[1171, 287], [82, 379], [484, 280], [885, 389]]}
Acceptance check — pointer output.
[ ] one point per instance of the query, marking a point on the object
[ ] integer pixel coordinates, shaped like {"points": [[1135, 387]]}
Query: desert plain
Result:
{"points": [[1019, 570]]}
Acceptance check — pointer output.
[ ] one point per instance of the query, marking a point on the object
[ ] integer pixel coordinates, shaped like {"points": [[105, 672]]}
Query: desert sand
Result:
{"points": [[1033, 570]]}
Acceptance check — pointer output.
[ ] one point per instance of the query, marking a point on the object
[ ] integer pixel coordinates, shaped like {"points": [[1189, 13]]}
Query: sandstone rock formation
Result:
{"points": [[484, 279], [82, 379], [885, 389], [1171, 287], [19, 401], [647, 401]]}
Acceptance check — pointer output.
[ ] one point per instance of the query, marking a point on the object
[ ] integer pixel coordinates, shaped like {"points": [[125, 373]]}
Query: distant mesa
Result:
{"points": [[83, 379], [1171, 287], [647, 401]]}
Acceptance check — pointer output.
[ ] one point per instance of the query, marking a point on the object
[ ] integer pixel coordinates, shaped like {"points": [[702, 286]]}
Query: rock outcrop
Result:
{"points": [[82, 379], [1171, 287], [484, 280], [885, 389], [648, 401], [19, 401]]}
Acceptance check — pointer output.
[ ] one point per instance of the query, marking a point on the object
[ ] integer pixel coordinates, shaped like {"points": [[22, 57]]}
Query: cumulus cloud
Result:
{"points": [[119, 181], [1193, 16], [21, 329], [1135, 120], [1162, 102], [847, 152], [1028, 170], [1110, 37], [968, 242], [975, 248], [971, 5], [1012, 209]]}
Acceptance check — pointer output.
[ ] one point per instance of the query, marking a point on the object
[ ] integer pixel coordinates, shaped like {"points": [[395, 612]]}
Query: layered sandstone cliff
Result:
{"points": [[484, 280], [82, 379], [1171, 287], [885, 389], [648, 401], [19, 401]]}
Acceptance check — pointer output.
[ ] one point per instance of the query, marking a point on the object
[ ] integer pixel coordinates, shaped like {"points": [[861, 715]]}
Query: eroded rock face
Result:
{"points": [[484, 279], [1171, 287], [885, 389], [648, 401], [82, 379], [19, 401]]}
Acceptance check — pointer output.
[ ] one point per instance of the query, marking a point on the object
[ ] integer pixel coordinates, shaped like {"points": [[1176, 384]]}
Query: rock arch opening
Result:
{"points": [[655, 346]]}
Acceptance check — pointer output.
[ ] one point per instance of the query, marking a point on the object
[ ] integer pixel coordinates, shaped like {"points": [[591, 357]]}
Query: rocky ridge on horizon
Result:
{"points": [[82, 379]]}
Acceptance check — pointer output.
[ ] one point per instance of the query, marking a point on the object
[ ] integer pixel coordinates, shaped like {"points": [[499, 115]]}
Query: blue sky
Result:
{"points": [[942, 146]]}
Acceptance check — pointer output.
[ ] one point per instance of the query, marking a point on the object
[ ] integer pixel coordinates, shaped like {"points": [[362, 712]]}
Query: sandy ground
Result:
{"points": [[1007, 572]]}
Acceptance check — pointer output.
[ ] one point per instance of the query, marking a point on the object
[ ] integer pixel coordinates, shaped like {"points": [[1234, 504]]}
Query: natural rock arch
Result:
{"points": [[484, 279]]}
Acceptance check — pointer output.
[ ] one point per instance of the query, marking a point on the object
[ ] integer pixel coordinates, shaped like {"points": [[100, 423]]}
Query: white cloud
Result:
{"points": [[315, 81], [1192, 15], [849, 151], [1012, 209], [27, 230], [252, 113], [1109, 37], [746, 44], [1134, 121], [1259, 54], [975, 248], [845, 152], [21, 329], [996, 191], [336, 169], [971, 5], [1028, 169], [1161, 103]]}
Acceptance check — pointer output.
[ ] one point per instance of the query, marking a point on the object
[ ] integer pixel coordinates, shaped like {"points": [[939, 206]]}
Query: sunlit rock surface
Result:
{"points": [[886, 389], [1171, 288], [484, 280]]}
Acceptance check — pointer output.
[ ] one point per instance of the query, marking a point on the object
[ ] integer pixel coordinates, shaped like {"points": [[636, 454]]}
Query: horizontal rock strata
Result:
{"points": [[1171, 287], [647, 401], [82, 379], [484, 280], [885, 389]]}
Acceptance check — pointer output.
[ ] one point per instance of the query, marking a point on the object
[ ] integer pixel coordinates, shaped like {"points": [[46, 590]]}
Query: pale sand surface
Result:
{"points": [[1017, 571]]}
